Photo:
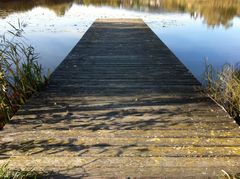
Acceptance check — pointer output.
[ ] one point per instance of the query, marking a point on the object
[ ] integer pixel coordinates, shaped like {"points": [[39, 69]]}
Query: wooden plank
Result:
{"points": [[122, 105], [109, 167]]}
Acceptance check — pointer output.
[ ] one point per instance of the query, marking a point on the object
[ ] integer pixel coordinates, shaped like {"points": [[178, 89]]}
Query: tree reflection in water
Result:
{"points": [[214, 12]]}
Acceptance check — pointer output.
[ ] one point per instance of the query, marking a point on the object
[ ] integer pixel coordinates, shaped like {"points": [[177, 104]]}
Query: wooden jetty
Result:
{"points": [[122, 105]]}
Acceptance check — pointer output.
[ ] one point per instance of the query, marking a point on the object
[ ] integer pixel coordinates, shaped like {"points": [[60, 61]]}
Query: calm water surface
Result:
{"points": [[195, 30]]}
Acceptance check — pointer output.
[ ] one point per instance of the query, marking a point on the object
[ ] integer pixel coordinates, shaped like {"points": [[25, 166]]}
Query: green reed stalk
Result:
{"points": [[20, 73], [224, 87]]}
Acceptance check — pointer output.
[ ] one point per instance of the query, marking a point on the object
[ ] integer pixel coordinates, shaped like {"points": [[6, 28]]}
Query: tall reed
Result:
{"points": [[20, 73], [224, 87]]}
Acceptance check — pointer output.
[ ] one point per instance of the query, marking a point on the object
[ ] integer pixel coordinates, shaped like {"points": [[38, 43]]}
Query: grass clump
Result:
{"points": [[20, 73], [7, 173], [224, 87], [227, 175]]}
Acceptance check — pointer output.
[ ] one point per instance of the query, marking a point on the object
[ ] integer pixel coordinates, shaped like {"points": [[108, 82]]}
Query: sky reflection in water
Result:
{"points": [[191, 39]]}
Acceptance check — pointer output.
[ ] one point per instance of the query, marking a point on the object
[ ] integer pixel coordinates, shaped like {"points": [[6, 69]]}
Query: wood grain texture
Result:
{"points": [[122, 105]]}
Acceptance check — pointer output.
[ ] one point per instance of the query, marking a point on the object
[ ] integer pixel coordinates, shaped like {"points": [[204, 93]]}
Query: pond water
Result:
{"points": [[195, 30]]}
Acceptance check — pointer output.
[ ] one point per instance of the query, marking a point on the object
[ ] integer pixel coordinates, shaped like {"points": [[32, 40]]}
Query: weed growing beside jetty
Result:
{"points": [[7, 173], [224, 87], [20, 73]]}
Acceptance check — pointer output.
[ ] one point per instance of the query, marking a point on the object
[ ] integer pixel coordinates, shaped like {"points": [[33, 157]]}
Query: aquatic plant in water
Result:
{"points": [[20, 73], [224, 87]]}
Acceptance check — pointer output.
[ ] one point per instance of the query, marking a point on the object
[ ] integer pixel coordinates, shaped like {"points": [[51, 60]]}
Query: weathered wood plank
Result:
{"points": [[200, 133], [158, 167]]}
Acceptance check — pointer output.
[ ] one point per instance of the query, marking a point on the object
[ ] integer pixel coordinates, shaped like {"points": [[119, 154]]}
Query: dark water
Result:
{"points": [[195, 30]]}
